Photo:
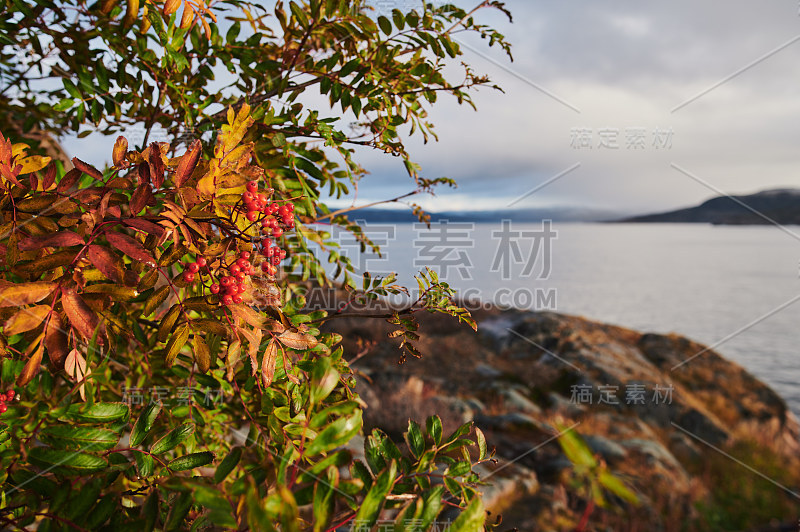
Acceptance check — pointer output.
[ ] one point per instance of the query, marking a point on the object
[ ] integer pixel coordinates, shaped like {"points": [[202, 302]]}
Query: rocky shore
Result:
{"points": [[704, 444]]}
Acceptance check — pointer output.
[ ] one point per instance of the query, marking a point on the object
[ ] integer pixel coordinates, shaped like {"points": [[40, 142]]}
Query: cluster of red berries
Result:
{"points": [[6, 398], [274, 219]]}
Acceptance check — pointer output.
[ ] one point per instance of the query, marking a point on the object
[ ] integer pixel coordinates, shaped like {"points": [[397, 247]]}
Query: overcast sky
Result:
{"points": [[708, 91]]}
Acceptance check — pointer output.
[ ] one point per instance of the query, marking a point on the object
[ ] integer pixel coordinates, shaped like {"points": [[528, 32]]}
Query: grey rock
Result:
{"points": [[608, 449], [515, 400]]}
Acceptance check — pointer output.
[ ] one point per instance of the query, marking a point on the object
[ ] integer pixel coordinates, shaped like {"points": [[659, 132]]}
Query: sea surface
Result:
{"points": [[736, 288]]}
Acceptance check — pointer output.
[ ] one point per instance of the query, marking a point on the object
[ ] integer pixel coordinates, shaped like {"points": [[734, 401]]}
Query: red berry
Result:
{"points": [[10, 394], [226, 281], [283, 211], [241, 276], [242, 288], [3, 408], [277, 232], [215, 288], [243, 263], [252, 216], [248, 197], [263, 199], [282, 254], [244, 255], [194, 267], [227, 300], [188, 277], [252, 186], [276, 260], [235, 269], [290, 207], [201, 261], [237, 298], [232, 289]]}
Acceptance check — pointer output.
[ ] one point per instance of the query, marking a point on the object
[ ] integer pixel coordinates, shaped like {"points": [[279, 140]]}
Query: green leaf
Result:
{"points": [[434, 427], [78, 437], [373, 502], [72, 460], [414, 439], [71, 89], [337, 433], [173, 438], [576, 449], [144, 423], [98, 412], [190, 461], [471, 519], [228, 463], [385, 24], [145, 464], [481, 440], [324, 379], [324, 501], [617, 487]]}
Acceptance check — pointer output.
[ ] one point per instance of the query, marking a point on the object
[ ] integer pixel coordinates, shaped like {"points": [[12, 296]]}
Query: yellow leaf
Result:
{"points": [[26, 319], [233, 132], [207, 185], [34, 163], [18, 149], [17, 294]]}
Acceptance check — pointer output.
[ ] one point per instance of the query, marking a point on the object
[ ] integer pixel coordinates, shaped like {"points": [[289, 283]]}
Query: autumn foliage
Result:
{"points": [[167, 373]]}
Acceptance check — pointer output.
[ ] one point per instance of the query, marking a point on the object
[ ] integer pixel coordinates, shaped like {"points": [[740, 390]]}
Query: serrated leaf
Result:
{"points": [[26, 319], [472, 518], [81, 316], [202, 355], [18, 294], [433, 425], [227, 465], [268, 363], [155, 300], [79, 437], [98, 412], [297, 340], [176, 343], [144, 423], [370, 508], [173, 438], [190, 461], [77, 461], [414, 439], [130, 247], [337, 433]]}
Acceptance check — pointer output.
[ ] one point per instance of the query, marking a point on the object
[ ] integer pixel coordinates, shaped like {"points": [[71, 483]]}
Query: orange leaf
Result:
{"points": [[268, 363], [296, 340], [26, 319], [60, 239], [31, 367], [130, 247], [18, 294], [187, 164], [55, 340], [109, 264], [120, 150], [80, 315], [87, 168]]}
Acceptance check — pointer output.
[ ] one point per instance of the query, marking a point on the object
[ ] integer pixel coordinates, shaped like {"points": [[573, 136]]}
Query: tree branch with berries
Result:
{"points": [[161, 367]]}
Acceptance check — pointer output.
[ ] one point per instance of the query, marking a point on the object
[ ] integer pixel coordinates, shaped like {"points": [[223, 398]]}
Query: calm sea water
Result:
{"points": [[726, 286]]}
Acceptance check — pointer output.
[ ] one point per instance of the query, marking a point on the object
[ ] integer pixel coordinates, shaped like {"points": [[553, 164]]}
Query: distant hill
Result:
{"points": [[780, 205], [556, 214]]}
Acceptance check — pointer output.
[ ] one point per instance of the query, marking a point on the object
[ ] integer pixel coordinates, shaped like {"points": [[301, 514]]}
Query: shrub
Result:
{"points": [[165, 370]]}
